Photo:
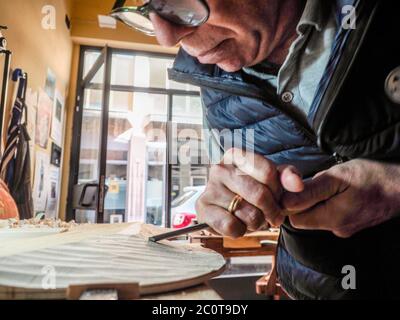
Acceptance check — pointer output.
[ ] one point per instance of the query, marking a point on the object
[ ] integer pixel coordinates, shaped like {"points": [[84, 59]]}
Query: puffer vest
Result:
{"points": [[353, 116]]}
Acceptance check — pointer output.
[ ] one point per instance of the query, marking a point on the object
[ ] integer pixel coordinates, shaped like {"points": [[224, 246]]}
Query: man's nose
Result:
{"points": [[169, 34]]}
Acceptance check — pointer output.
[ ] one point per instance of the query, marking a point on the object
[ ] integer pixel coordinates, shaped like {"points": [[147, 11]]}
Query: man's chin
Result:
{"points": [[231, 65]]}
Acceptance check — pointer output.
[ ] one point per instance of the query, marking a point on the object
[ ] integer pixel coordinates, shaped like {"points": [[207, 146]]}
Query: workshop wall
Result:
{"points": [[34, 48], [37, 49]]}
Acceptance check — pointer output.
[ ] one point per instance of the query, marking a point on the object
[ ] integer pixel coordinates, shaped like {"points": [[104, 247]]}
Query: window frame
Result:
{"points": [[108, 87]]}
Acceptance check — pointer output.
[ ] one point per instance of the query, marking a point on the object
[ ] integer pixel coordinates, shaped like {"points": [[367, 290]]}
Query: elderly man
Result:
{"points": [[316, 82]]}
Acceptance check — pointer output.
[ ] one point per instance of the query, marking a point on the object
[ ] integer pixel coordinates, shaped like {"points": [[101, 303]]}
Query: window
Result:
{"points": [[185, 196], [154, 143]]}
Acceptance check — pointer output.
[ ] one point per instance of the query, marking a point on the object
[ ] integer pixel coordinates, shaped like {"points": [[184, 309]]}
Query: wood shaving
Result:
{"points": [[36, 223]]}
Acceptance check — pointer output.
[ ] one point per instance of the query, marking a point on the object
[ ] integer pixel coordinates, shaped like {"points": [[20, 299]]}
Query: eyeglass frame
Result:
{"points": [[145, 9]]}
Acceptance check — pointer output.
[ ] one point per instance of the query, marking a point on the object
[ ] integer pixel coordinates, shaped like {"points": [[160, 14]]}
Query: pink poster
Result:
{"points": [[43, 119]]}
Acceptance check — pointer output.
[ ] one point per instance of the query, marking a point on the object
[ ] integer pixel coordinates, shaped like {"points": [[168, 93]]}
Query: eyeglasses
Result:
{"points": [[191, 13]]}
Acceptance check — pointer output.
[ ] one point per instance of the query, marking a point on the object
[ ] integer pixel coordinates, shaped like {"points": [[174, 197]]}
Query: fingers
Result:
{"points": [[220, 196], [328, 215], [258, 181], [217, 194], [317, 218], [222, 221], [254, 192], [252, 217], [321, 188], [291, 178], [255, 166]]}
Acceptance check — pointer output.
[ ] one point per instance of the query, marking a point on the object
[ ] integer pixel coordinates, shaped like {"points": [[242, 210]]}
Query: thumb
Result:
{"points": [[291, 179], [319, 189]]}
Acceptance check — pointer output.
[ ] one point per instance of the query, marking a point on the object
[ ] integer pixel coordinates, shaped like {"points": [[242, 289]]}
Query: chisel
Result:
{"points": [[179, 232]]}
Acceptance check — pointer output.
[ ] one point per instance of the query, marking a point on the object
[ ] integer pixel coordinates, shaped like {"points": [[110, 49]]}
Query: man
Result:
{"points": [[281, 68]]}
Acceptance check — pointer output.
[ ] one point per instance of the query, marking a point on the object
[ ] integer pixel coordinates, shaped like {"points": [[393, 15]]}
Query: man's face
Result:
{"points": [[238, 33]]}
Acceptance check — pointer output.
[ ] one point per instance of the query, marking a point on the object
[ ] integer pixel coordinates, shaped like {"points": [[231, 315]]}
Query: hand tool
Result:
{"points": [[179, 232]]}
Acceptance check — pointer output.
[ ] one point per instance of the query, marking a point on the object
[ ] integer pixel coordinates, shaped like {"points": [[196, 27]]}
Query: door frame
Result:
{"points": [[105, 59], [77, 127]]}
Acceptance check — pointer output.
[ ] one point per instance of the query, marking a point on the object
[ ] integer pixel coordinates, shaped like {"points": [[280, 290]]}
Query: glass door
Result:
{"points": [[189, 170], [125, 134], [86, 197]]}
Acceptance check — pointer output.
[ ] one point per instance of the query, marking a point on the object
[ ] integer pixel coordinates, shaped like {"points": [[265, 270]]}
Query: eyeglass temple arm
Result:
{"points": [[119, 4]]}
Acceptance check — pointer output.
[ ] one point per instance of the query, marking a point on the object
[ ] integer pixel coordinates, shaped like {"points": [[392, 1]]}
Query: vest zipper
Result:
{"points": [[338, 158]]}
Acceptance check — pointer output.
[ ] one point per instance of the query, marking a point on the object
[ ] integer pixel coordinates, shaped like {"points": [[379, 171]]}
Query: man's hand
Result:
{"points": [[258, 181], [347, 198]]}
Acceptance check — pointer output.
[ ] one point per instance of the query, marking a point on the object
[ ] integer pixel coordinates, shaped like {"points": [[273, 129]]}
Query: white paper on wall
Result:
{"points": [[43, 119], [53, 193], [31, 102], [58, 118], [41, 181], [50, 85]]}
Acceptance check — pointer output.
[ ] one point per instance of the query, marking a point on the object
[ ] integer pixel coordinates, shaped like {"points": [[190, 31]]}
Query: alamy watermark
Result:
{"points": [[349, 281], [349, 19], [193, 146], [49, 19], [49, 277]]}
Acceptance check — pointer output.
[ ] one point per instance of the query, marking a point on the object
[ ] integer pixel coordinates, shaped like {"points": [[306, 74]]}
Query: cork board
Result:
{"points": [[44, 267]]}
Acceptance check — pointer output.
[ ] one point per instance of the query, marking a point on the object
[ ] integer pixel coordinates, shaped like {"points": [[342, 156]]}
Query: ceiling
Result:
{"points": [[86, 30]]}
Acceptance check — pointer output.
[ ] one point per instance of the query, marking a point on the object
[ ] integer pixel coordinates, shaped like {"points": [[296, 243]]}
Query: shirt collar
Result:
{"points": [[314, 15]]}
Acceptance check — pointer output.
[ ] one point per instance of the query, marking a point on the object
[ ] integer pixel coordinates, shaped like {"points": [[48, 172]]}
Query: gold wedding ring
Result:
{"points": [[234, 204]]}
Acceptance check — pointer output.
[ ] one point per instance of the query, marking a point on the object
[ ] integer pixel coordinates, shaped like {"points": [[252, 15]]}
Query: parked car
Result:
{"points": [[183, 207]]}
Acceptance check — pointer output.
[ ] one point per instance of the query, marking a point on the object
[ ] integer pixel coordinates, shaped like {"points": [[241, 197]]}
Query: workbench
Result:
{"points": [[249, 245], [260, 243], [20, 254], [108, 258]]}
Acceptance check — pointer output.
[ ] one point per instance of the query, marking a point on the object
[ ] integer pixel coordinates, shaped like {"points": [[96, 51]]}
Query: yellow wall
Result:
{"points": [[35, 49]]}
